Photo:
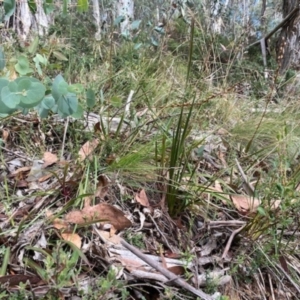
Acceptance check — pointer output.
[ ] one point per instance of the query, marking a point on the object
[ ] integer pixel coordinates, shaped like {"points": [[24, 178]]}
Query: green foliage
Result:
{"points": [[9, 8], [25, 92]]}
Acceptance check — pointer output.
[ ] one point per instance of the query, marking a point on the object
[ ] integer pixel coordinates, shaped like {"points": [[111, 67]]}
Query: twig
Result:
{"points": [[288, 277], [271, 286], [16, 154], [171, 276], [64, 138], [162, 235], [128, 101], [216, 224], [233, 234]]}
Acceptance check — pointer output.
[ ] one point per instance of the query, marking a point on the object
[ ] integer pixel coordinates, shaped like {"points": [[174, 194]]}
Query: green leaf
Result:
{"points": [[119, 20], [9, 8], [10, 96], [160, 30], [135, 24], [48, 6], [48, 102], [3, 108], [154, 42], [34, 45], [116, 101], [31, 93], [56, 86], [76, 88], [82, 5], [60, 56], [79, 113], [261, 211], [22, 67], [67, 105], [32, 6], [137, 46], [39, 59], [90, 98], [63, 88], [2, 59]]}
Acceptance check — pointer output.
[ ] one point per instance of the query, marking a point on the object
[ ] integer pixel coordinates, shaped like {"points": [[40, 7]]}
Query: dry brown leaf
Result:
{"points": [[87, 201], [102, 186], [245, 204], [20, 170], [142, 198], [49, 159], [87, 149], [59, 223], [102, 212], [5, 135], [73, 238], [45, 177], [177, 270]]}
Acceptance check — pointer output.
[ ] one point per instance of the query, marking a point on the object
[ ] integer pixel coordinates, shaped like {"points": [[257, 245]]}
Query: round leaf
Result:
{"points": [[10, 96], [31, 93], [67, 105]]}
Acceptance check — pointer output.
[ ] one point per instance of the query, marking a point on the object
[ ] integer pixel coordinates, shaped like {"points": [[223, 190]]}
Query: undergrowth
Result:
{"points": [[161, 144]]}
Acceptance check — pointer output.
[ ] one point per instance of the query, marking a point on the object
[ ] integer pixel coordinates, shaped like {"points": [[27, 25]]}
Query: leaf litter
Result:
{"points": [[99, 231]]}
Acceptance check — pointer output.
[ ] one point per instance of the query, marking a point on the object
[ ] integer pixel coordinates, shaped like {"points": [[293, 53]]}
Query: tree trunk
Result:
{"points": [[288, 54], [125, 8], [97, 19], [25, 22]]}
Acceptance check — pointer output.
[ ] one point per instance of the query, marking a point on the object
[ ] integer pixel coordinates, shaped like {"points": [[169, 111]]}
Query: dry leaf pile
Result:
{"points": [[189, 252]]}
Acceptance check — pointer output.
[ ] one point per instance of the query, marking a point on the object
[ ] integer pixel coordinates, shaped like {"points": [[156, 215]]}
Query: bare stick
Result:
{"points": [[64, 138], [233, 234], [171, 276], [128, 101]]}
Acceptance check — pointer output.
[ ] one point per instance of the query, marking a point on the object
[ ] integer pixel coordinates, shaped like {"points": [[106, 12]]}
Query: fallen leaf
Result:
{"points": [[245, 204], [45, 177], [49, 159], [20, 170], [73, 238], [102, 186], [142, 198], [87, 149], [5, 135], [103, 213], [59, 224], [177, 270]]}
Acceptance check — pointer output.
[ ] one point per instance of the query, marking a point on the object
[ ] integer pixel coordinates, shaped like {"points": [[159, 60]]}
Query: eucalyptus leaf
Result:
{"points": [[10, 96], [119, 20], [22, 67], [76, 88], [55, 87], [67, 105], [135, 24], [90, 98], [34, 45], [48, 6], [9, 8], [31, 93]]}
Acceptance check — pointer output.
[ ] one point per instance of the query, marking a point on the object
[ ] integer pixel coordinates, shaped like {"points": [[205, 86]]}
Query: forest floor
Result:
{"points": [[164, 192]]}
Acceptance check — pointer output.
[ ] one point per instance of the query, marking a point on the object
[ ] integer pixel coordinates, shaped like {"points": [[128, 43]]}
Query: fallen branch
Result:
{"points": [[233, 234], [171, 276]]}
